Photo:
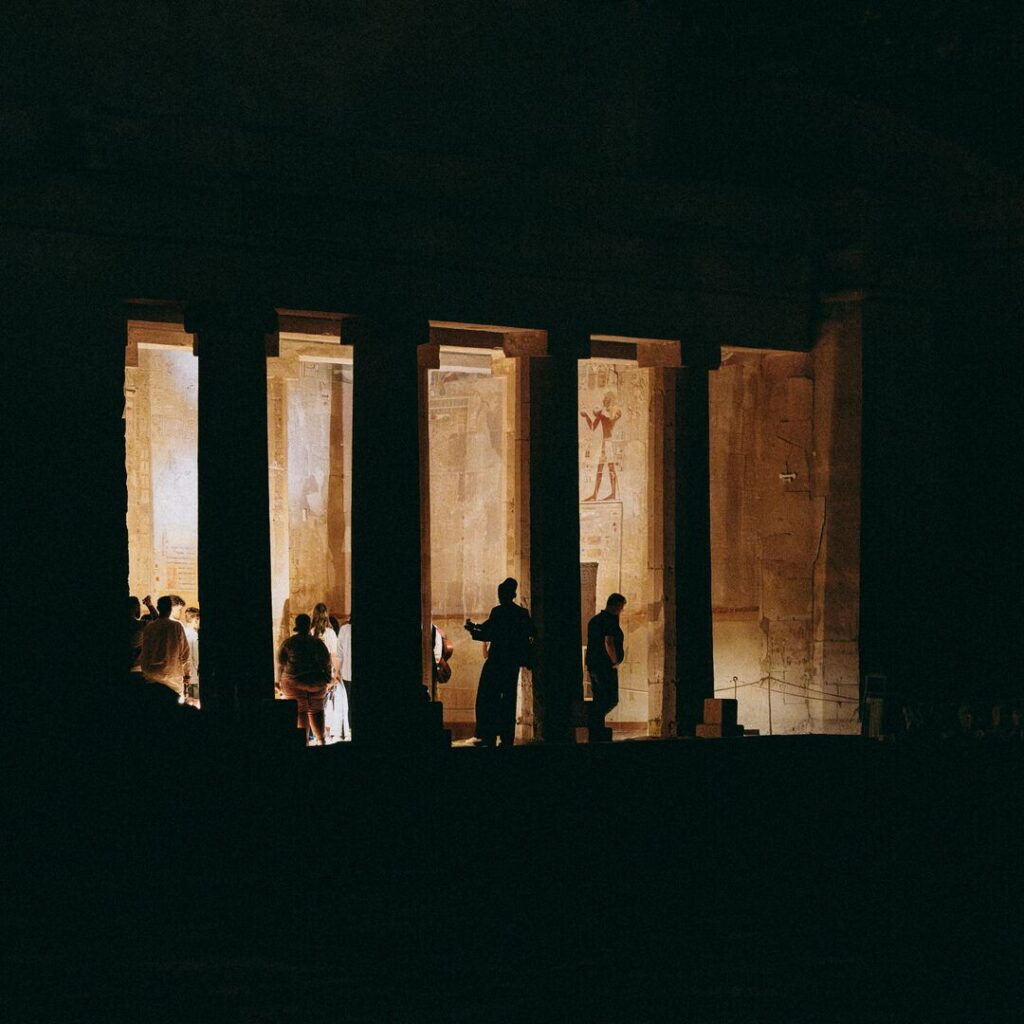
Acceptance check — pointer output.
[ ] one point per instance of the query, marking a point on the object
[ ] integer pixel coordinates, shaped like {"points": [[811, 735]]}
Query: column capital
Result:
{"points": [[385, 327], [230, 316], [701, 357], [569, 339]]}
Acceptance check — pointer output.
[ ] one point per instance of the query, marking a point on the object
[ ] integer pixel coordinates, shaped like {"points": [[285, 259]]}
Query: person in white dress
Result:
{"points": [[345, 668], [336, 703]]}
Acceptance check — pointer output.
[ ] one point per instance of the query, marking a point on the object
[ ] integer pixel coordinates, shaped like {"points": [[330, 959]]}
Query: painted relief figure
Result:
{"points": [[605, 418]]}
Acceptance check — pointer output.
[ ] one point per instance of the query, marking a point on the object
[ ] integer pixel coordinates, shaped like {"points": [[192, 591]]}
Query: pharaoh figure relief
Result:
{"points": [[603, 419]]}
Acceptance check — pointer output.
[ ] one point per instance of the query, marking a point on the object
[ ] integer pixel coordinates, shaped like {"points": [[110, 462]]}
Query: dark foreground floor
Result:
{"points": [[770, 879]]}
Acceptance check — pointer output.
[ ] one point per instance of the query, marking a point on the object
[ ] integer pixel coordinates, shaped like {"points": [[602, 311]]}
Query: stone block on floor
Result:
{"points": [[720, 712]]}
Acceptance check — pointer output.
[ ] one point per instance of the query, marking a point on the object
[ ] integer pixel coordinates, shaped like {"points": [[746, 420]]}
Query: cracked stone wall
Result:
{"points": [[615, 522], [161, 433], [785, 542], [309, 424], [785, 479], [470, 427]]}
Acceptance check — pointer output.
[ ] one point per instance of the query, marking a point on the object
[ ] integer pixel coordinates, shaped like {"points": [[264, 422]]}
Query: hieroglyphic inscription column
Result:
{"points": [[695, 670], [390, 538], [555, 529], [234, 504]]}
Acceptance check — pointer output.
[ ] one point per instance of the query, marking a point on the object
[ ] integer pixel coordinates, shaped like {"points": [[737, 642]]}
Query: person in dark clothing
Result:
{"points": [[136, 625], [510, 635], [604, 655]]}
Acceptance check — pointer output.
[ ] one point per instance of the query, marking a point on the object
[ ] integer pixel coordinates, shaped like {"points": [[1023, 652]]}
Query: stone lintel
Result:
{"points": [[233, 317], [601, 348], [525, 344], [658, 353], [310, 324], [428, 356]]}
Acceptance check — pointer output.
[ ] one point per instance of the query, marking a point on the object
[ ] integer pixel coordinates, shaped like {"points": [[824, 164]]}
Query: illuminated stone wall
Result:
{"points": [[785, 536], [161, 424], [309, 426], [785, 513], [469, 419], [614, 465]]}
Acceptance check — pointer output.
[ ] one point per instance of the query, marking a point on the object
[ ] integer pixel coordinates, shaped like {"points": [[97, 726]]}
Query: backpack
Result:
{"points": [[442, 670]]}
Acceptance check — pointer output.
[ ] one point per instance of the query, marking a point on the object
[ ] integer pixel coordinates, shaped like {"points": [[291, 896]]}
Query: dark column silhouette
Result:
{"points": [[234, 504], [390, 631], [555, 530], [695, 672], [65, 538]]}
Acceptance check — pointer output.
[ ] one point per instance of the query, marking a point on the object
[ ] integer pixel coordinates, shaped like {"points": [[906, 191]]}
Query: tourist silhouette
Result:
{"points": [[510, 635]]}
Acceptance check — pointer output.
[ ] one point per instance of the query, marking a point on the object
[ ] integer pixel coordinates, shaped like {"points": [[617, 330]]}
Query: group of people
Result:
{"points": [[1001, 721], [315, 670], [509, 639], [163, 646], [315, 663]]}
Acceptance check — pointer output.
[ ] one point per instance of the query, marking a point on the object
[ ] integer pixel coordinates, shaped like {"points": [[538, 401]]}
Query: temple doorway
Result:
{"points": [[619, 519], [475, 514]]}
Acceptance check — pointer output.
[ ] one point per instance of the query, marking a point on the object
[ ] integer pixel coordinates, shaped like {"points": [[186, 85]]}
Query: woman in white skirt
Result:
{"points": [[336, 703]]}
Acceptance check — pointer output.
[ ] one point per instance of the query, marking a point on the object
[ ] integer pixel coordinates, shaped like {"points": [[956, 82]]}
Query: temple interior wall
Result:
{"points": [[614, 526], [785, 521], [161, 434], [309, 425], [469, 440], [785, 512]]}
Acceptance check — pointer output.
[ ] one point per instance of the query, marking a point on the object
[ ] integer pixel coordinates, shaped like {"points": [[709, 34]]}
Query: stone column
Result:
{"points": [[65, 544], [555, 530], [835, 489], [695, 673], [277, 456], [237, 659], [390, 558]]}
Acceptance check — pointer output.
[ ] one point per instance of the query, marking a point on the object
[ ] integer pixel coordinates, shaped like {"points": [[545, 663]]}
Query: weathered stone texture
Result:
{"points": [[161, 423], [785, 573], [785, 489]]}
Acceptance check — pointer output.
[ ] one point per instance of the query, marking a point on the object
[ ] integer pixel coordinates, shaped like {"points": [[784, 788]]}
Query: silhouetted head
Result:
{"points": [[134, 608], [507, 589], [302, 623], [167, 604], [615, 604], [321, 620]]}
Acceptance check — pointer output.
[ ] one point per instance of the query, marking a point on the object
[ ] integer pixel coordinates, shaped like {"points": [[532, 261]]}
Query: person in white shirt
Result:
{"points": [[191, 624], [166, 658], [336, 704], [345, 669]]}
